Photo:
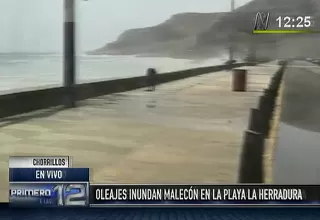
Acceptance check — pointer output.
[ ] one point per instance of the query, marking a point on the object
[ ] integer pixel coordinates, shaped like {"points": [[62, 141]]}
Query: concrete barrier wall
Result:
{"points": [[251, 162], [23, 102]]}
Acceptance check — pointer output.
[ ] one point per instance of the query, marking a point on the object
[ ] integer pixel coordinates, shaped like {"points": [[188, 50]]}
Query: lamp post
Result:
{"points": [[231, 37], [69, 53]]}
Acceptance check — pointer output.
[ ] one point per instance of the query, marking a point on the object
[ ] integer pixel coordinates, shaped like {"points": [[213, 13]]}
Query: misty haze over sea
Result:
{"points": [[32, 70]]}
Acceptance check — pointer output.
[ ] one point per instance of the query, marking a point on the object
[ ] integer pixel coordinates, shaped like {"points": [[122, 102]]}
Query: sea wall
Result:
{"points": [[23, 102], [253, 156]]}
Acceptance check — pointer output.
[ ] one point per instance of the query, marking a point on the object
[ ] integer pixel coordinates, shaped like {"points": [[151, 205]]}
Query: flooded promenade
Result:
{"points": [[187, 131], [296, 159]]}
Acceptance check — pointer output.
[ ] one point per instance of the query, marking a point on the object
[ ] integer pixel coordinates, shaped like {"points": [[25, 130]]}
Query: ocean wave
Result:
{"points": [[13, 61], [47, 69]]}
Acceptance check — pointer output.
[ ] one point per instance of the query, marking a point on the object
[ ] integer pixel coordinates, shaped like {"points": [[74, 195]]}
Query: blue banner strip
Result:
{"points": [[49, 174]]}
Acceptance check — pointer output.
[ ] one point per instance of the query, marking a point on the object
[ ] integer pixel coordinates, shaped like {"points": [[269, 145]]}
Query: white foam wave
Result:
{"points": [[47, 69]]}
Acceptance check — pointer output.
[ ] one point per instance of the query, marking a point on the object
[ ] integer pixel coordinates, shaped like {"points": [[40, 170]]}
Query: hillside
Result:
{"points": [[173, 35], [196, 34]]}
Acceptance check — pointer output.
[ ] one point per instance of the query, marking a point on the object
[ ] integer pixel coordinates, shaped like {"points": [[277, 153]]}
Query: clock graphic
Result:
{"points": [[296, 21]]}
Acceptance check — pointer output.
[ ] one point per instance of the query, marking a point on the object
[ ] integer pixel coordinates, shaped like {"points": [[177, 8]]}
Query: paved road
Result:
{"points": [[297, 155], [186, 131]]}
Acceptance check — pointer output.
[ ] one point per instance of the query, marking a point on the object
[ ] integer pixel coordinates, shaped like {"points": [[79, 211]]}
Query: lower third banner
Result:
{"points": [[113, 194]]}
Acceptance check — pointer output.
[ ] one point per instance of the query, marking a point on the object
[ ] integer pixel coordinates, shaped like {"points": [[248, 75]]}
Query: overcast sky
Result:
{"points": [[36, 25]]}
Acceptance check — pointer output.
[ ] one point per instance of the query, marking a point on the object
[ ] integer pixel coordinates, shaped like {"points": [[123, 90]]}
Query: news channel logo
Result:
{"points": [[49, 194]]}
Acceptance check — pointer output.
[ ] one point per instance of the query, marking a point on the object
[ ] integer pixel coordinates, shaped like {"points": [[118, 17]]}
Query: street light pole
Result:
{"points": [[69, 53], [231, 37]]}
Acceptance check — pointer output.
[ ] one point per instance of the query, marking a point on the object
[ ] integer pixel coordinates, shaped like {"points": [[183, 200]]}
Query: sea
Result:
{"points": [[30, 71]]}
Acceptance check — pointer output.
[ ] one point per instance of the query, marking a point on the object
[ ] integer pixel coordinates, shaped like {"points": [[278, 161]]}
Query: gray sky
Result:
{"points": [[36, 25]]}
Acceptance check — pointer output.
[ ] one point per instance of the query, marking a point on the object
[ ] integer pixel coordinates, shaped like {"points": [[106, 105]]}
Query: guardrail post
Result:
{"points": [[251, 163], [256, 121], [271, 97], [265, 108]]}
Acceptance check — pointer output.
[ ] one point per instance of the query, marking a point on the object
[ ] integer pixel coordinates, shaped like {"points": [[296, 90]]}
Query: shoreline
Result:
{"points": [[39, 71]]}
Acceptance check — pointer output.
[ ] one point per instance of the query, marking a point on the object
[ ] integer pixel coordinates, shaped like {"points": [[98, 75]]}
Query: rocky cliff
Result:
{"points": [[173, 36], [197, 34]]}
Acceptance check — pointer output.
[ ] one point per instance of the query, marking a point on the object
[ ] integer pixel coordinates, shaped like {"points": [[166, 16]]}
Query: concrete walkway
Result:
{"points": [[188, 131], [298, 149]]}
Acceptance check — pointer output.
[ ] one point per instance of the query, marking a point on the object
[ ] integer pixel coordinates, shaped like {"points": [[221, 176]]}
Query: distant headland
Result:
{"points": [[192, 35]]}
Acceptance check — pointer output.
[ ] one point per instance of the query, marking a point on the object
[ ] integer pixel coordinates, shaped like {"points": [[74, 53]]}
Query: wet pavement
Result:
{"points": [[296, 159], [188, 131]]}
